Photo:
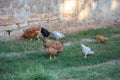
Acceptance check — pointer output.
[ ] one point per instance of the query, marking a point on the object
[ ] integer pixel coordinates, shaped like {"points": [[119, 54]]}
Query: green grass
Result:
{"points": [[22, 60]]}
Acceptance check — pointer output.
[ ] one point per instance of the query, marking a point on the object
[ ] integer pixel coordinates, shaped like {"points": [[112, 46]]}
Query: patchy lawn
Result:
{"points": [[25, 60]]}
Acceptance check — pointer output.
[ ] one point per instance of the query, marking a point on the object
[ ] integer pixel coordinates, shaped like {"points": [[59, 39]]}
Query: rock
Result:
{"points": [[11, 27], [6, 20], [34, 17], [24, 24]]}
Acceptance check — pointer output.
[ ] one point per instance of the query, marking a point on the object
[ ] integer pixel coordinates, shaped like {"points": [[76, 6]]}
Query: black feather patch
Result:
{"points": [[45, 32]]}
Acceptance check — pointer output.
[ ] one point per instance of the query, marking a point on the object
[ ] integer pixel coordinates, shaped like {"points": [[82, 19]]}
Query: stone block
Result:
{"points": [[5, 3], [34, 17], [2, 28], [11, 27], [24, 24], [6, 20], [17, 32]]}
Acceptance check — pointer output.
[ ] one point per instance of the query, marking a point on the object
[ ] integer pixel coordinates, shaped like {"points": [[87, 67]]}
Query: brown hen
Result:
{"points": [[31, 32], [100, 38], [55, 46]]}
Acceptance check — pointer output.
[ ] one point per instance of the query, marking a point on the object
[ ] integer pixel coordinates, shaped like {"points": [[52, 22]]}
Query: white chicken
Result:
{"points": [[57, 34], [86, 50]]}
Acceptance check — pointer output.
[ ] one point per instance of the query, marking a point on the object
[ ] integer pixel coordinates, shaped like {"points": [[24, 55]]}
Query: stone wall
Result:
{"points": [[62, 15]]}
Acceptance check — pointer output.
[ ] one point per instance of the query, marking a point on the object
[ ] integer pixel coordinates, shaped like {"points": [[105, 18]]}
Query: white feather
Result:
{"points": [[86, 50], [57, 34]]}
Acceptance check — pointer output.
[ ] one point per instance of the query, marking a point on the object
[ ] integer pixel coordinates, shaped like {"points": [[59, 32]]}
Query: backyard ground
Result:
{"points": [[25, 60]]}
